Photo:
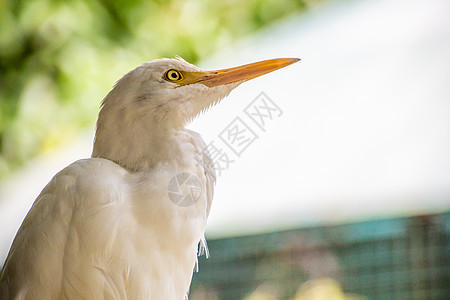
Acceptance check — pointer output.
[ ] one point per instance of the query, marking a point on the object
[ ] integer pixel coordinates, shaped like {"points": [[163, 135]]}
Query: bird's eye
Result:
{"points": [[173, 76]]}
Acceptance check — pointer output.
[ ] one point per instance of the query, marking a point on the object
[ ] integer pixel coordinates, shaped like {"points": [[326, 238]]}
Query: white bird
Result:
{"points": [[108, 227]]}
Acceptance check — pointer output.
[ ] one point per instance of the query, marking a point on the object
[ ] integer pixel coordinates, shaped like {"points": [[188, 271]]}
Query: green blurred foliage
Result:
{"points": [[59, 58]]}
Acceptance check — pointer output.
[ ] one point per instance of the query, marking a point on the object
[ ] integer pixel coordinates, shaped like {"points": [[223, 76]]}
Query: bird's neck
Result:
{"points": [[138, 146]]}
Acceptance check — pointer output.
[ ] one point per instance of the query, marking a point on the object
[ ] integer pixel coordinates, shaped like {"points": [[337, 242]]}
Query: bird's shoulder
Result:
{"points": [[55, 226], [82, 184], [86, 176], [79, 187]]}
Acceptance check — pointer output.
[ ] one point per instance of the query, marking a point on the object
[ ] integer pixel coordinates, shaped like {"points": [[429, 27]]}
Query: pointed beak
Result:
{"points": [[237, 74]]}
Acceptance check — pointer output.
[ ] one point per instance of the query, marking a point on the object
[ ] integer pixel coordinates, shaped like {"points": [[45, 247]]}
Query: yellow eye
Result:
{"points": [[173, 75]]}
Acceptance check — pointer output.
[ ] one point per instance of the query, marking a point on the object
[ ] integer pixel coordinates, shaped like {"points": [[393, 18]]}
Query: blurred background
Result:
{"points": [[344, 190]]}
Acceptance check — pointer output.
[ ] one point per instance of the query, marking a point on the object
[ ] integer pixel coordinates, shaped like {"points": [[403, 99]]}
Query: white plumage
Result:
{"points": [[105, 227]]}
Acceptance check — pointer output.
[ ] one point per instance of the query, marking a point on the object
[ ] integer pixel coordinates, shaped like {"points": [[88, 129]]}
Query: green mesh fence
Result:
{"points": [[404, 258]]}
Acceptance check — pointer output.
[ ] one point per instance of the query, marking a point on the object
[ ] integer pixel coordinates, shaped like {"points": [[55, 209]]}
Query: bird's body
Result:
{"points": [[106, 227], [117, 228]]}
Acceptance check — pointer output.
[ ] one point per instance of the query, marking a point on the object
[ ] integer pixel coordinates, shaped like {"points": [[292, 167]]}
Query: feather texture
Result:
{"points": [[107, 233]]}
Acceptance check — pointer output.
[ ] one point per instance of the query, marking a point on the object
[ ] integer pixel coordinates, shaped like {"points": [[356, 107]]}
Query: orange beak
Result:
{"points": [[237, 74]]}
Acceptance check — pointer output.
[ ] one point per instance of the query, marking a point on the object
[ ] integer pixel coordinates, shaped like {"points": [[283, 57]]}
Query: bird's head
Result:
{"points": [[162, 96]]}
